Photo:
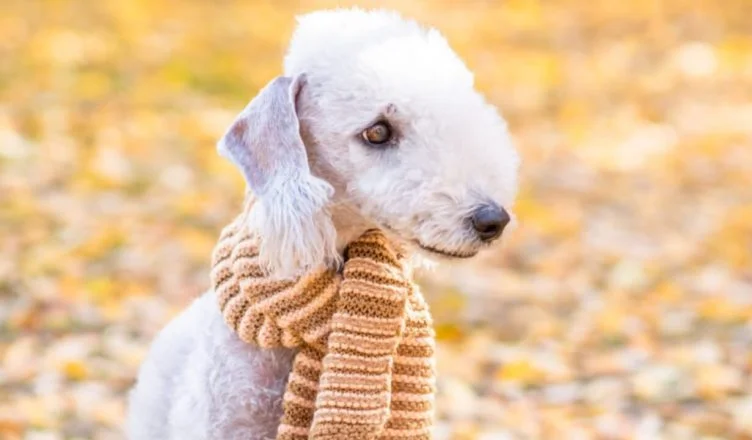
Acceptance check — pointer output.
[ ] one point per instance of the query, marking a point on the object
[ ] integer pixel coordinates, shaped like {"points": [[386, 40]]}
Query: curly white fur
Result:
{"points": [[298, 140], [297, 229]]}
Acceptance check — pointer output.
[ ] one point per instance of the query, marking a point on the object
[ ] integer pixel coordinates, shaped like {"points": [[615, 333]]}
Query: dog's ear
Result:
{"points": [[290, 208]]}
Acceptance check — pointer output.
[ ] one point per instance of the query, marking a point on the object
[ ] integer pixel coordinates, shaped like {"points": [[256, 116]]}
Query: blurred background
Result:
{"points": [[620, 308]]}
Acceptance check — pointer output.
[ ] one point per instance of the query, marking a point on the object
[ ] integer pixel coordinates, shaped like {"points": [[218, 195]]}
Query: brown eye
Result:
{"points": [[378, 133]]}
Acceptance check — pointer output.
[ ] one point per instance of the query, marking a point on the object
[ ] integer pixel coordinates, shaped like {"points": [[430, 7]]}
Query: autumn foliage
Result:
{"points": [[620, 307]]}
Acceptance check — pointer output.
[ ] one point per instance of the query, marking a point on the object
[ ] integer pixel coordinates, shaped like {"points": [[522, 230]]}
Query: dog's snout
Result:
{"points": [[489, 221]]}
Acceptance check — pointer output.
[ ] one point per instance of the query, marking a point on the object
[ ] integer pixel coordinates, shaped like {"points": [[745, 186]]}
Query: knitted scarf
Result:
{"points": [[365, 362]]}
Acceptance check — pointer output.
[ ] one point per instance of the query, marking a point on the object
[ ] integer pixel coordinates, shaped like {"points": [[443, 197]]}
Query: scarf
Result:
{"points": [[364, 368]]}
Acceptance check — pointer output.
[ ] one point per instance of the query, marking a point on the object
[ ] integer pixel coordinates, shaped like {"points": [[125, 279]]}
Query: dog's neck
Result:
{"points": [[349, 223]]}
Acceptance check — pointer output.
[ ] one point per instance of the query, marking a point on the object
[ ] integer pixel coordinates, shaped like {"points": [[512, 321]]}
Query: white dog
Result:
{"points": [[375, 123]]}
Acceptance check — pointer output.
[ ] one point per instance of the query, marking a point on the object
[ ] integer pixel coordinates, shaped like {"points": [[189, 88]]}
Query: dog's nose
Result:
{"points": [[489, 221]]}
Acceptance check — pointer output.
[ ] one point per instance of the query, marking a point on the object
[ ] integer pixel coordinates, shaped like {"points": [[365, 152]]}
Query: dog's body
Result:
{"points": [[376, 124], [200, 381]]}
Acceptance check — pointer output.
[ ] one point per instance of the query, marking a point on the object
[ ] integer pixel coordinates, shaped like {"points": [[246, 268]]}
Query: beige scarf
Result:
{"points": [[365, 365]]}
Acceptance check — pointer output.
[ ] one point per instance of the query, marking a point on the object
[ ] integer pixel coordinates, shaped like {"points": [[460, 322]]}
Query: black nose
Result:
{"points": [[489, 221]]}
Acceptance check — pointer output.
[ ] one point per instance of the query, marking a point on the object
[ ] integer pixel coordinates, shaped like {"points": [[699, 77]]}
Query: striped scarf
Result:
{"points": [[365, 362]]}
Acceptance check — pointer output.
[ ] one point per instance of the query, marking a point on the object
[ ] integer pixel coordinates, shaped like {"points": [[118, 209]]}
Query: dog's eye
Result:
{"points": [[378, 133]]}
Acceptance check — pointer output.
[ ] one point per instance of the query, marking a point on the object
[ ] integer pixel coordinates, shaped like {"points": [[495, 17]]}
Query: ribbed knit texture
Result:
{"points": [[365, 365]]}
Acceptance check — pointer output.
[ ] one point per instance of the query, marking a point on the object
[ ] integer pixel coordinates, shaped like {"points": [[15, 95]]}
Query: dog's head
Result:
{"points": [[377, 118]]}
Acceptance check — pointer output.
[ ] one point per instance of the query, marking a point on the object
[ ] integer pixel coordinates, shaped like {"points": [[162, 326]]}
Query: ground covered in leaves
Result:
{"points": [[620, 308]]}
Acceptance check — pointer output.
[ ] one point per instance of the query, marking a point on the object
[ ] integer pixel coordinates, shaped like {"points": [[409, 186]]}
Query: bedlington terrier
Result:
{"points": [[375, 123]]}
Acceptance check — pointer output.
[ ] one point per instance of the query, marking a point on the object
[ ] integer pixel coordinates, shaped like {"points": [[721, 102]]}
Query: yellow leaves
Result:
{"points": [[735, 53], [722, 310], [74, 370], [38, 411], [521, 371], [62, 47], [198, 243], [449, 302], [465, 431], [69, 287], [93, 85], [176, 74], [549, 218], [733, 239], [67, 48], [574, 115], [103, 241], [524, 13], [21, 206], [636, 177], [189, 203], [110, 167], [540, 68], [100, 289], [716, 381], [131, 17], [611, 320], [545, 329], [447, 307], [449, 332], [667, 292]]}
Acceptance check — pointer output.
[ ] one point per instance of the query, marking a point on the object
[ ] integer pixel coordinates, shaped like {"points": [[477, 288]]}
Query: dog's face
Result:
{"points": [[387, 116], [399, 130]]}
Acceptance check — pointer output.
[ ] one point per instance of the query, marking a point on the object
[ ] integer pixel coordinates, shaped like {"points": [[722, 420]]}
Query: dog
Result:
{"points": [[374, 124]]}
